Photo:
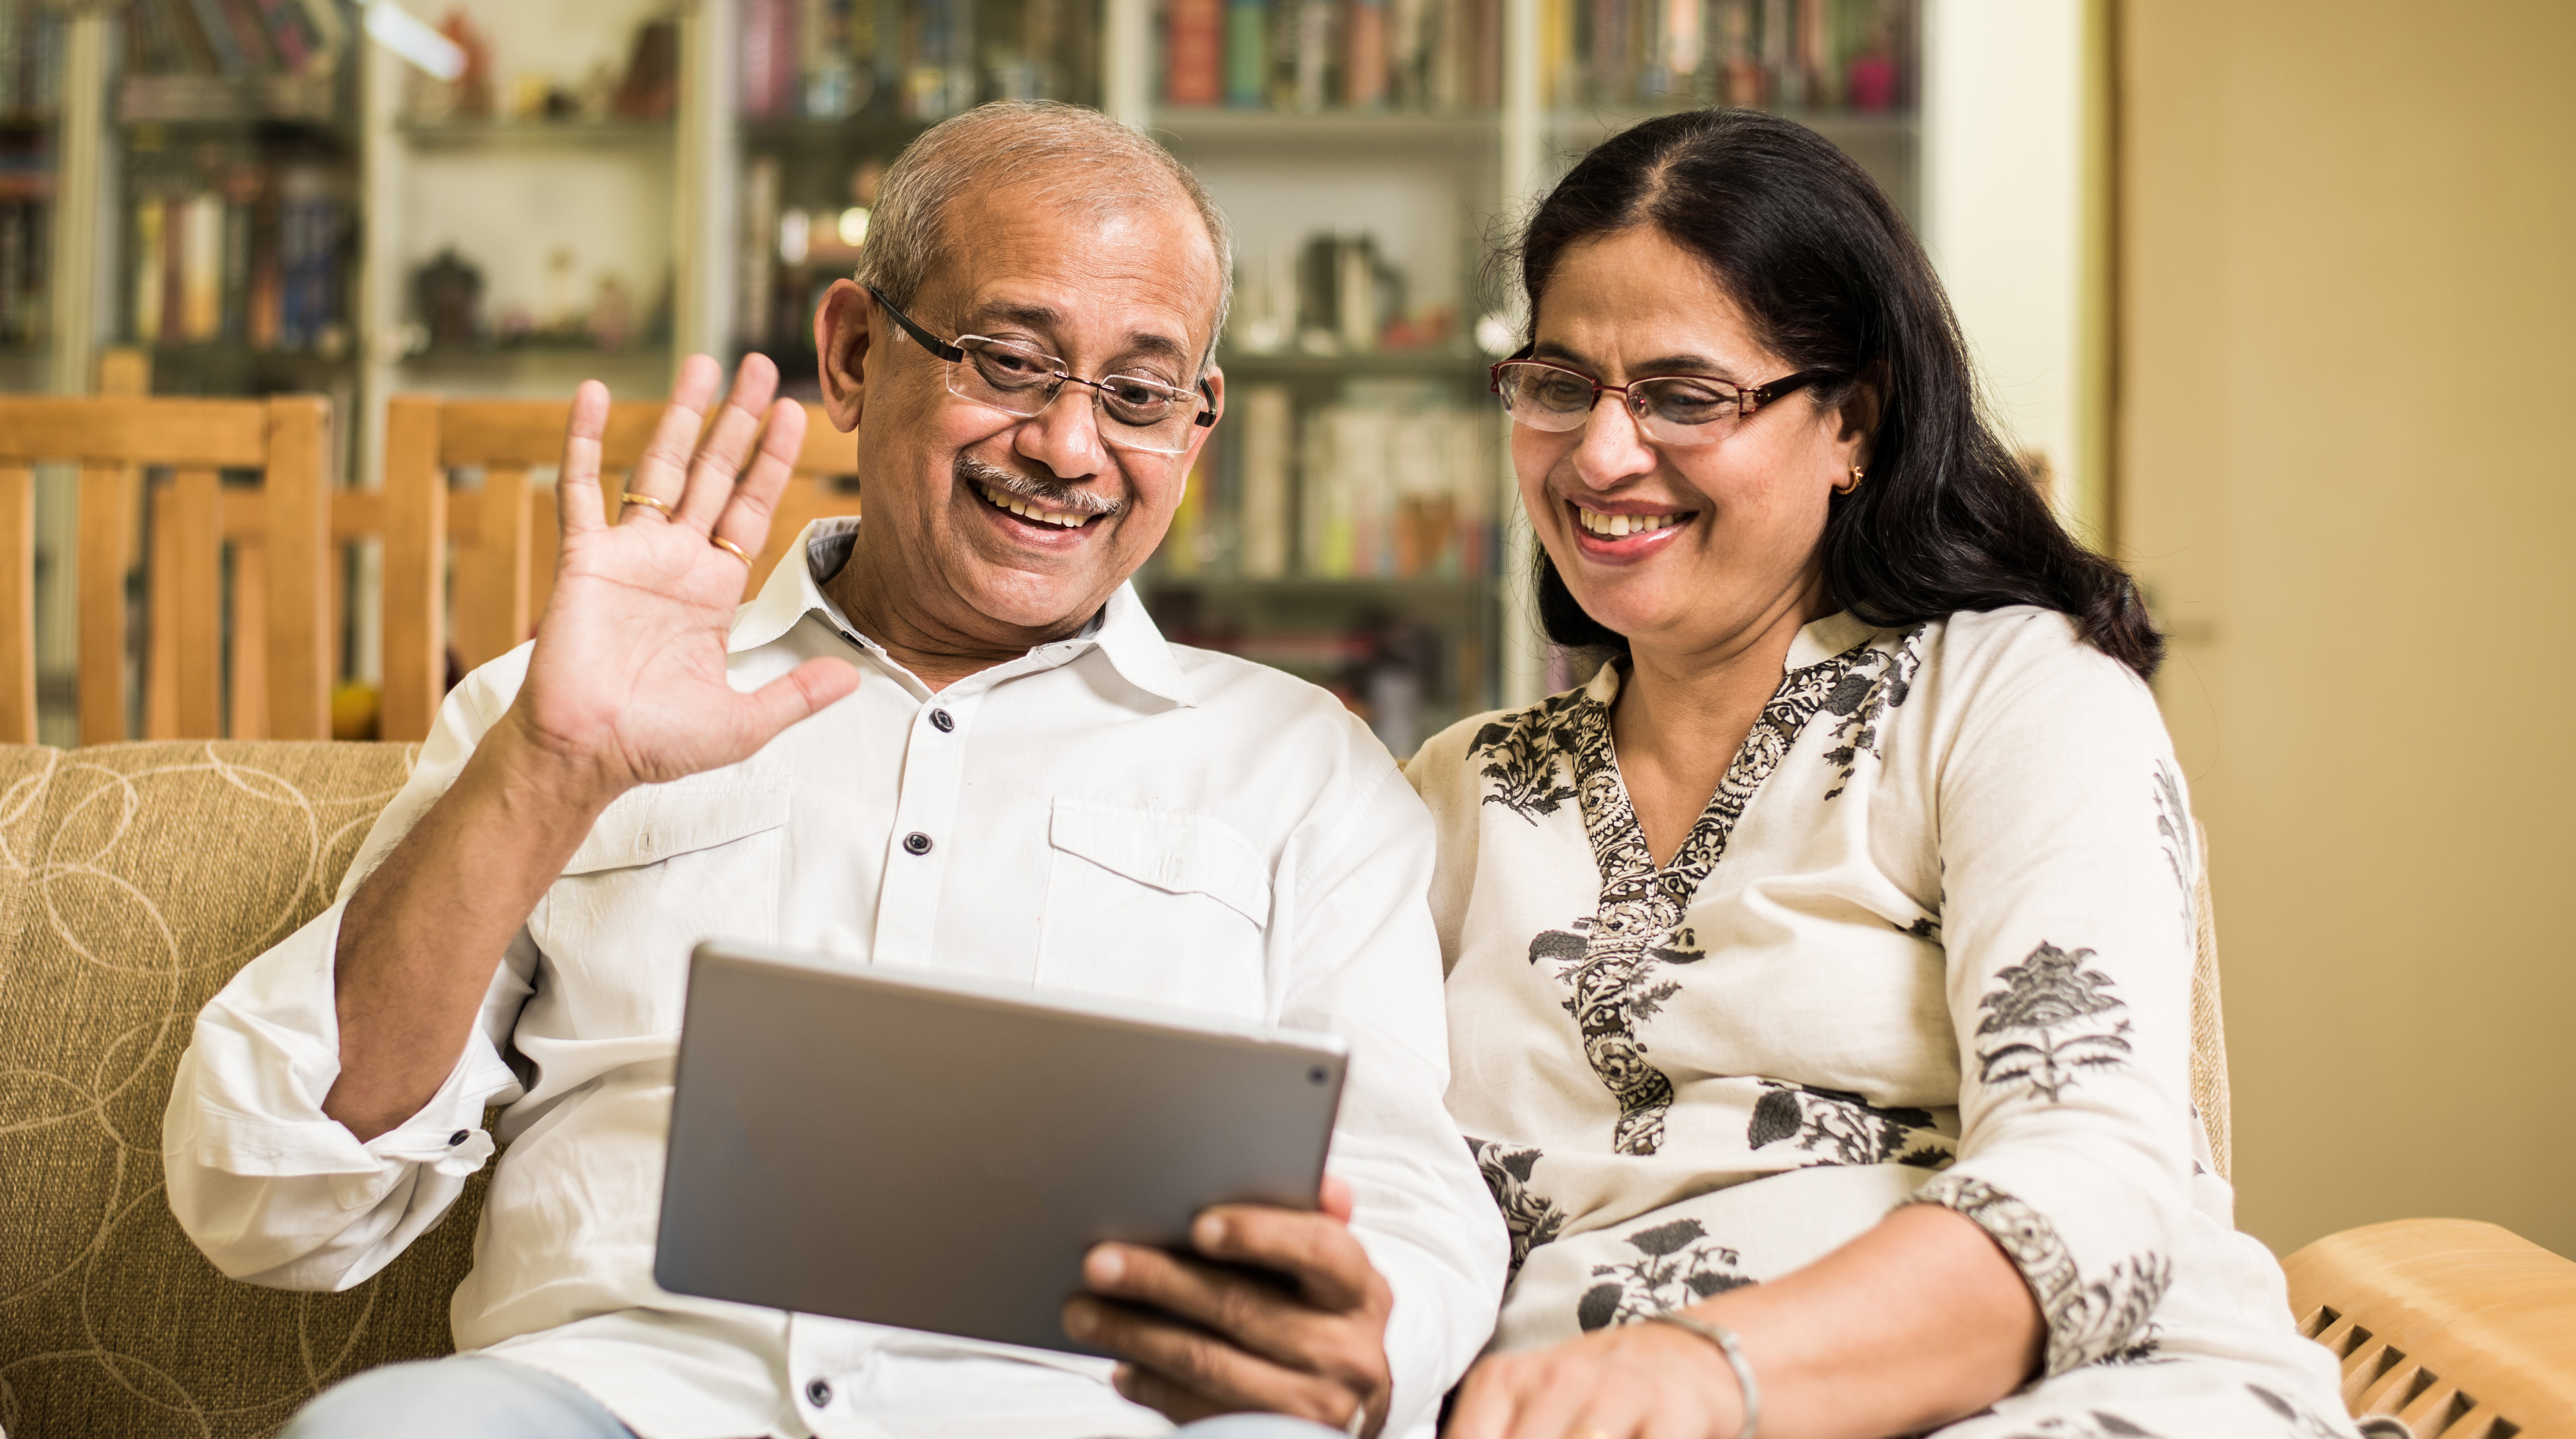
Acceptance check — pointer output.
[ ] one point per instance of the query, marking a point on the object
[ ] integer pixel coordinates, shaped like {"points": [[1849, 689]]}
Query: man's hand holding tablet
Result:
{"points": [[1201, 1337]]}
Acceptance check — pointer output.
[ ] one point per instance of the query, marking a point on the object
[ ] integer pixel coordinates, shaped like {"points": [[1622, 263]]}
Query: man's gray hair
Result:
{"points": [[1057, 154]]}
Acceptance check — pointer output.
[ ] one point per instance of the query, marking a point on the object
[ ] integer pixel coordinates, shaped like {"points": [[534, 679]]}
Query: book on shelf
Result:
{"points": [[1831, 55], [31, 58], [1264, 451], [262, 265], [26, 244], [230, 60], [1309, 56], [922, 60]]}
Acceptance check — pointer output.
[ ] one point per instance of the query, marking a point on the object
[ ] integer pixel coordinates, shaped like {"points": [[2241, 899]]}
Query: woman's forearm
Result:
{"points": [[1918, 1321]]}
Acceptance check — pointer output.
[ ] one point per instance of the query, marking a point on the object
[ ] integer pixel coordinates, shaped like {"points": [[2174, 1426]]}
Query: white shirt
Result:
{"points": [[1108, 815]]}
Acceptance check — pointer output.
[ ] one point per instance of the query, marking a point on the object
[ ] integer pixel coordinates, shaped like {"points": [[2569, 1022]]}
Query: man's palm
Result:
{"points": [[628, 674]]}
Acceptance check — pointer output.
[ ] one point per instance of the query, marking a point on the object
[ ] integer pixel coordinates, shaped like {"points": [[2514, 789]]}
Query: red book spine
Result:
{"points": [[1364, 77], [1194, 53]]}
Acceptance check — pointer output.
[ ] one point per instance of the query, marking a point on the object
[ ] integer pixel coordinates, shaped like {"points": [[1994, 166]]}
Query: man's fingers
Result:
{"points": [[797, 694], [1226, 1377], [718, 461], [1173, 1402], [663, 471], [577, 481], [1249, 1313], [1315, 1250], [745, 521]]}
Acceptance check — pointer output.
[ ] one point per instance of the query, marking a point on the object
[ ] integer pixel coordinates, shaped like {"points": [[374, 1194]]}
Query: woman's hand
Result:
{"points": [[1207, 1338], [1638, 1381], [627, 683]]}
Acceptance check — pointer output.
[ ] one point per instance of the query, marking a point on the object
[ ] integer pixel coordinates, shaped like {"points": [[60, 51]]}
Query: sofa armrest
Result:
{"points": [[2463, 1330]]}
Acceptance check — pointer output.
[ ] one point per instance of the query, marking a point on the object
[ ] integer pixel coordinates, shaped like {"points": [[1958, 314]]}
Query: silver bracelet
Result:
{"points": [[1733, 1348]]}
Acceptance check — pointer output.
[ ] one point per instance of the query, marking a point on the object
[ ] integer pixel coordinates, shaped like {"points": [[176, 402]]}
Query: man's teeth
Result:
{"points": [[1004, 500], [1614, 526]]}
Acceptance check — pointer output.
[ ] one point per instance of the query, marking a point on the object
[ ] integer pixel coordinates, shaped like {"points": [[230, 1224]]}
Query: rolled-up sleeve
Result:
{"points": [[271, 1188], [2067, 863], [1367, 966]]}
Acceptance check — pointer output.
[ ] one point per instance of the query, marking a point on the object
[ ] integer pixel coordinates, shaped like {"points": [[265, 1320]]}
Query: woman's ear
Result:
{"points": [[1860, 413], [844, 327]]}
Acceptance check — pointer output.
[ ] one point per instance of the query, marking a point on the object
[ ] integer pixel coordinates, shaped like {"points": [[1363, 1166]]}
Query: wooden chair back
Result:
{"points": [[283, 667], [503, 534]]}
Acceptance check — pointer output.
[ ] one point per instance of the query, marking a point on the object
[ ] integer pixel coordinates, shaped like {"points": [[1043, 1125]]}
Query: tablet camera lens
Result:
{"points": [[1318, 1075]]}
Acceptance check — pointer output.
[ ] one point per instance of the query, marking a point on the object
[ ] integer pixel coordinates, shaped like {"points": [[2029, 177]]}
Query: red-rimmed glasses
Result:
{"points": [[1670, 409]]}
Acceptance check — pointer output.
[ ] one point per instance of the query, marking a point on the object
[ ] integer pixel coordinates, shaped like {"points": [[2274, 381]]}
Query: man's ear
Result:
{"points": [[844, 327]]}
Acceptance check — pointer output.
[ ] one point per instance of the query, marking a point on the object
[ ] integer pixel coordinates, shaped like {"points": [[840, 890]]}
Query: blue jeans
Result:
{"points": [[470, 1396]]}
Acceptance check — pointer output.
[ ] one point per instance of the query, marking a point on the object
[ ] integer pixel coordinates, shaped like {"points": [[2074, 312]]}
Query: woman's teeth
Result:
{"points": [[1003, 500], [1611, 527]]}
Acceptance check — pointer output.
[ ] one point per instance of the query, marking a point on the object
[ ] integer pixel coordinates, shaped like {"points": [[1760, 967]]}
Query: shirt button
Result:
{"points": [[941, 721], [459, 1137], [916, 843], [818, 1392]]}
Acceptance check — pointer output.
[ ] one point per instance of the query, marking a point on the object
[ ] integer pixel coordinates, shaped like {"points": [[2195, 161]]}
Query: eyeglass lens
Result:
{"points": [[1677, 410], [1134, 412]]}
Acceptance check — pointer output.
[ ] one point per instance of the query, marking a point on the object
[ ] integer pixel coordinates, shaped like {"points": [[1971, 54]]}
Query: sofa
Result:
{"points": [[136, 878]]}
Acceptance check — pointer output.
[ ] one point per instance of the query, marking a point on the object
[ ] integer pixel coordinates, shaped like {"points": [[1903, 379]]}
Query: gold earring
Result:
{"points": [[1856, 478]]}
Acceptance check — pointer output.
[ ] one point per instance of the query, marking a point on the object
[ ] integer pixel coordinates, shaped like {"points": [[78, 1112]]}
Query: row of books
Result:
{"points": [[1392, 481], [31, 58], [1310, 55], [1856, 55], [917, 60], [263, 267], [26, 243], [235, 39]]}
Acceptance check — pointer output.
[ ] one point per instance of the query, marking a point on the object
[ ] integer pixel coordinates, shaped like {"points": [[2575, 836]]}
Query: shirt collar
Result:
{"points": [[1124, 633]]}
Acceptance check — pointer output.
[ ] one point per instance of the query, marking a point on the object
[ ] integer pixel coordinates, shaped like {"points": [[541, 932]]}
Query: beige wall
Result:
{"points": [[2347, 366]]}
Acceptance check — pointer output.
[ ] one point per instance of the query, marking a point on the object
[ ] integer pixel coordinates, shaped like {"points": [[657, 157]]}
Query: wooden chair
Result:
{"points": [[282, 651], [2460, 1329], [504, 534]]}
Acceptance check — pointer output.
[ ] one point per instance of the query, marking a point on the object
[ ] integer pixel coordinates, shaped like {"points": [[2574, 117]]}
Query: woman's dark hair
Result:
{"points": [[1833, 280]]}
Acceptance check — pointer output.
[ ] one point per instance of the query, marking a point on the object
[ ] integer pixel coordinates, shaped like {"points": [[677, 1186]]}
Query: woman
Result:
{"points": [[1819, 973]]}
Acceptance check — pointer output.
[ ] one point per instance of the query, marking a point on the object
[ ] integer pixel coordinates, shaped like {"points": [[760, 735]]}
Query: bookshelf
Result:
{"points": [[1353, 521], [31, 103]]}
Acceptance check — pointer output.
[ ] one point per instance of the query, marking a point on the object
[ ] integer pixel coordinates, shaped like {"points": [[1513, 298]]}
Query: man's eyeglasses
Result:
{"points": [[1671, 409], [1135, 412]]}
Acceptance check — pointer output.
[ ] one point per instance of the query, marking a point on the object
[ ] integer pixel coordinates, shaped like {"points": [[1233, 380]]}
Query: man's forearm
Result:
{"points": [[422, 935]]}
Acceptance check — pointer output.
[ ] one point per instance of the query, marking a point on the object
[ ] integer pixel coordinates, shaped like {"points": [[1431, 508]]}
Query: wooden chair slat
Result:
{"points": [[249, 700], [294, 558], [137, 431], [106, 530], [195, 542], [491, 601], [415, 569], [18, 604]]}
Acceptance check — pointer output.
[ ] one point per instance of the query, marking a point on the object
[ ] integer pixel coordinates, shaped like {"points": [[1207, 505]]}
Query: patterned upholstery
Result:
{"points": [[134, 880]]}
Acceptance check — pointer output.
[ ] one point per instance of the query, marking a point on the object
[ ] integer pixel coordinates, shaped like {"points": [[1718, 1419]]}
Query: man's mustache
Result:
{"points": [[1053, 494]]}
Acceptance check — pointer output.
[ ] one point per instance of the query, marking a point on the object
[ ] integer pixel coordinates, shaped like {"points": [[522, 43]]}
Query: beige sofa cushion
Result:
{"points": [[134, 880]]}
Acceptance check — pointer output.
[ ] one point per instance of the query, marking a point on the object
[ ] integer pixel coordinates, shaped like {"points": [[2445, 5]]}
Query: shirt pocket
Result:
{"points": [[663, 868], [1154, 905]]}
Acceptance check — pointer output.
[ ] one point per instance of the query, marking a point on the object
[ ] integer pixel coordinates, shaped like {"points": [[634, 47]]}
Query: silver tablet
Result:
{"points": [[917, 1150]]}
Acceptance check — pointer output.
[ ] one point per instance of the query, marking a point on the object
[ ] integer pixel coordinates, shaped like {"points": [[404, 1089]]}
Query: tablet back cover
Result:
{"points": [[910, 1151]]}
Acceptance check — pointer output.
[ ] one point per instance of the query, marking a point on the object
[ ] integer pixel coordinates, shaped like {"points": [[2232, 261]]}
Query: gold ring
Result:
{"points": [[729, 547], [632, 498]]}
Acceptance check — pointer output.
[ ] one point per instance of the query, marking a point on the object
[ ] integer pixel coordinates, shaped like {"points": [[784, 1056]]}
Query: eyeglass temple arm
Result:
{"points": [[1494, 371], [928, 341]]}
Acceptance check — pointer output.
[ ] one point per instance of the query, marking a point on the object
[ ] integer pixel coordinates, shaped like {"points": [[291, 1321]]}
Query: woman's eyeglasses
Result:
{"points": [[1135, 412], [1670, 409]]}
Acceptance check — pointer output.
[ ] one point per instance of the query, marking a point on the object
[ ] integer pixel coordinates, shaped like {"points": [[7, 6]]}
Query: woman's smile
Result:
{"points": [[1619, 533]]}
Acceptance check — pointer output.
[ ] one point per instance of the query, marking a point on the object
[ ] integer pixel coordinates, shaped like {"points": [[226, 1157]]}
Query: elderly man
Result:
{"points": [[946, 737]]}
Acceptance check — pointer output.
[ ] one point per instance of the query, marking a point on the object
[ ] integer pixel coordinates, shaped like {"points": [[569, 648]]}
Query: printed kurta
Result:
{"points": [[1931, 941]]}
